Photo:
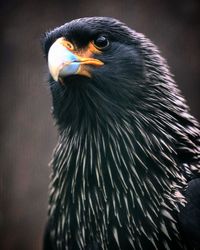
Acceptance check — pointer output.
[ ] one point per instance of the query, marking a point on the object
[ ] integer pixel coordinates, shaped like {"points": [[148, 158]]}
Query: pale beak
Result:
{"points": [[63, 62]]}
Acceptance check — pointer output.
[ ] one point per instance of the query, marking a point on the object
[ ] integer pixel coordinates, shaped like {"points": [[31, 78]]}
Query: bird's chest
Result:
{"points": [[104, 203], [110, 191]]}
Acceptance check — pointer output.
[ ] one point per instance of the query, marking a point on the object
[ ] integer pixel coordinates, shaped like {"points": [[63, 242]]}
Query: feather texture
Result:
{"points": [[127, 148]]}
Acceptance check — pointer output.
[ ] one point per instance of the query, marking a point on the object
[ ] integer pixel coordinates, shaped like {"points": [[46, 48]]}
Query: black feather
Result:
{"points": [[190, 215], [127, 149]]}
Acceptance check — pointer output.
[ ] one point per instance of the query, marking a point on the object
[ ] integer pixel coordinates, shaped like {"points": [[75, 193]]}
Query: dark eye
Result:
{"points": [[101, 42]]}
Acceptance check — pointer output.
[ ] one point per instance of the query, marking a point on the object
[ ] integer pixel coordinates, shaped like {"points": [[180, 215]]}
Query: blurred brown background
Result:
{"points": [[27, 132]]}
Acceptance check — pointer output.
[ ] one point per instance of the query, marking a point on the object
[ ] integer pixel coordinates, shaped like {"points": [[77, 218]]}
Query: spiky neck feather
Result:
{"points": [[111, 180], [105, 167], [116, 169]]}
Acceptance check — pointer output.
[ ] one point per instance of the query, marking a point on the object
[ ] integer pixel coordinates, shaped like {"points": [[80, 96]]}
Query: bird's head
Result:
{"points": [[98, 66]]}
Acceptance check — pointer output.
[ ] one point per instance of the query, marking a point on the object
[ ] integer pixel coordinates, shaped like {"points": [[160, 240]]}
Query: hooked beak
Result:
{"points": [[63, 60]]}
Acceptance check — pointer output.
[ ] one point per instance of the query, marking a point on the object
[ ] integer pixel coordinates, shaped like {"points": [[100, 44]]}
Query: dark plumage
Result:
{"points": [[128, 156]]}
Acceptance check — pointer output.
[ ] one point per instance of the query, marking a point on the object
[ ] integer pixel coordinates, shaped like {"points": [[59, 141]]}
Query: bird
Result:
{"points": [[126, 168]]}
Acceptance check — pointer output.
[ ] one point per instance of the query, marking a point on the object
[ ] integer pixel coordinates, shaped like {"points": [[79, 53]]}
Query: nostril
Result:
{"points": [[68, 45]]}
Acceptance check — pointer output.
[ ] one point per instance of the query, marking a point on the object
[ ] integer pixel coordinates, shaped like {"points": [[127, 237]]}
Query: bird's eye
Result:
{"points": [[101, 42]]}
